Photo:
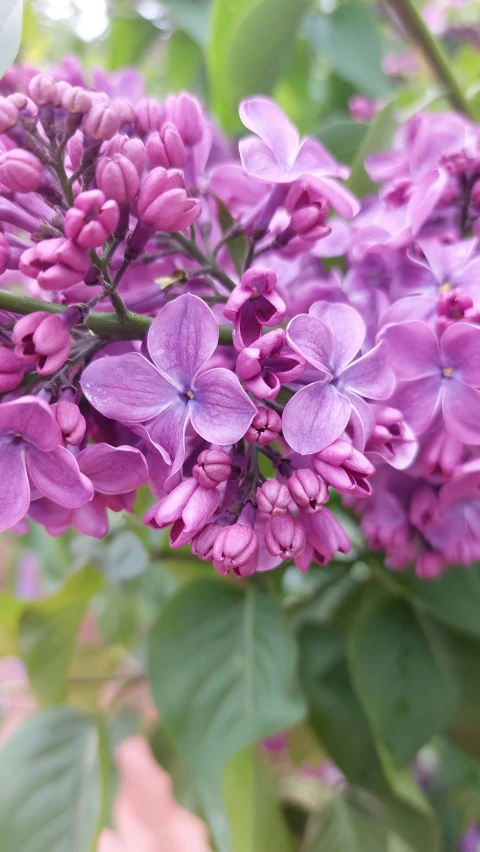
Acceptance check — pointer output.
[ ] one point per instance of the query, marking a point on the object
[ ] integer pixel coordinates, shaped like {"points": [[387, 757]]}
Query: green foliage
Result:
{"points": [[377, 138], [129, 37], [55, 778]]}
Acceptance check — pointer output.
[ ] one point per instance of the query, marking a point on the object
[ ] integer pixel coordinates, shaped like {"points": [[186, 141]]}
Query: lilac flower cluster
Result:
{"points": [[187, 331]]}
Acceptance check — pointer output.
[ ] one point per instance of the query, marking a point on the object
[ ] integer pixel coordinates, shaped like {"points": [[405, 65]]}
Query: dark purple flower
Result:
{"points": [[253, 304], [265, 365]]}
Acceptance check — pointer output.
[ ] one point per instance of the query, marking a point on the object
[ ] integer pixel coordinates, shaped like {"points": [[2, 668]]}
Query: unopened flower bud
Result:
{"points": [[101, 121], [212, 468], [265, 427], [163, 202], [185, 113], [284, 536], [442, 454], [4, 252], [346, 473], [202, 544], [44, 338], [236, 548], [166, 148], [92, 219], [20, 171], [188, 508], [76, 100], [118, 178], [149, 115], [57, 263], [133, 149], [307, 490], [309, 222], [43, 90], [11, 370], [71, 421], [273, 497], [8, 114]]}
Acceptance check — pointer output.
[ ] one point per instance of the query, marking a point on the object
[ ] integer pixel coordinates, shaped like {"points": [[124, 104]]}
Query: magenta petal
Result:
{"points": [[425, 196], [312, 339], [92, 518], [57, 476], [362, 420], [221, 411], [347, 327], [168, 431], [340, 198], [181, 338], [127, 388], [14, 487], [419, 401], [312, 157], [461, 411], [31, 418], [370, 375], [259, 161], [412, 350], [56, 519], [264, 118], [113, 470], [460, 348], [315, 417]]}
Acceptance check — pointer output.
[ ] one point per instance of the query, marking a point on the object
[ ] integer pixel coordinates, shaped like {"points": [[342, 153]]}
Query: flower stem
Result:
{"points": [[193, 250], [411, 19]]}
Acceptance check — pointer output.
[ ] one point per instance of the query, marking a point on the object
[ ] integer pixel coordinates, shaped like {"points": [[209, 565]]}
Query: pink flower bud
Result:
{"points": [[11, 371], [185, 113], [309, 222], [284, 536], [202, 544], [125, 111], [92, 219], [4, 252], [335, 453], [307, 490], [442, 454], [273, 498], [188, 508], [133, 149], [20, 171], [149, 115], [43, 90], [430, 565], [8, 114], [212, 468], [166, 148], [236, 550], [346, 474], [71, 421], [76, 100], [44, 338], [163, 202], [118, 178], [101, 121], [423, 507], [264, 428], [56, 264]]}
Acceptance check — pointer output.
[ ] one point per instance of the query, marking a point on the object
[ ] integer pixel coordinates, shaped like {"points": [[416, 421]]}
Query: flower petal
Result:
{"points": [[127, 388], [370, 376], [460, 348], [312, 158], [57, 476], [412, 350], [31, 418], [168, 431], [113, 470], [264, 118], [347, 327], [418, 401], [341, 199], [92, 518], [56, 519], [315, 417], [461, 411], [14, 487], [181, 338], [312, 339], [221, 411], [258, 160]]}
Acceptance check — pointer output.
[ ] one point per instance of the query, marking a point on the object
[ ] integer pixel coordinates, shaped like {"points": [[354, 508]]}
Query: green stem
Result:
{"points": [[193, 250], [133, 327], [411, 19]]}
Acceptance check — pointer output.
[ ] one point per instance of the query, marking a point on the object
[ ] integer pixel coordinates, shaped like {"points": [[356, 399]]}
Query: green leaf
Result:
{"points": [[11, 15], [401, 676], [255, 819], [47, 632], [350, 38], [377, 138], [129, 36], [343, 138], [55, 776], [238, 247], [464, 653], [123, 556], [251, 43], [183, 61], [348, 824], [221, 666], [191, 16], [11, 610]]}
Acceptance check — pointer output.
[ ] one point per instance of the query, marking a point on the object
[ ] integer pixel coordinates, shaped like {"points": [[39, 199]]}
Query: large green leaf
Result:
{"points": [[221, 665], [343, 138], [47, 632], [350, 38], [251, 43], [377, 138], [55, 776], [464, 653], [11, 15], [254, 815], [191, 16], [348, 825], [129, 36], [402, 678]]}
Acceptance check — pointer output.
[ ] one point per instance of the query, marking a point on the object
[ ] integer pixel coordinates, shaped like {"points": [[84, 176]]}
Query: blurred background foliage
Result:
{"points": [[388, 674]]}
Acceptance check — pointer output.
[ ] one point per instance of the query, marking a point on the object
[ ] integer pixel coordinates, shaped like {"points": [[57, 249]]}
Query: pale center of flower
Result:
{"points": [[447, 372], [190, 394], [445, 287], [255, 293]]}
